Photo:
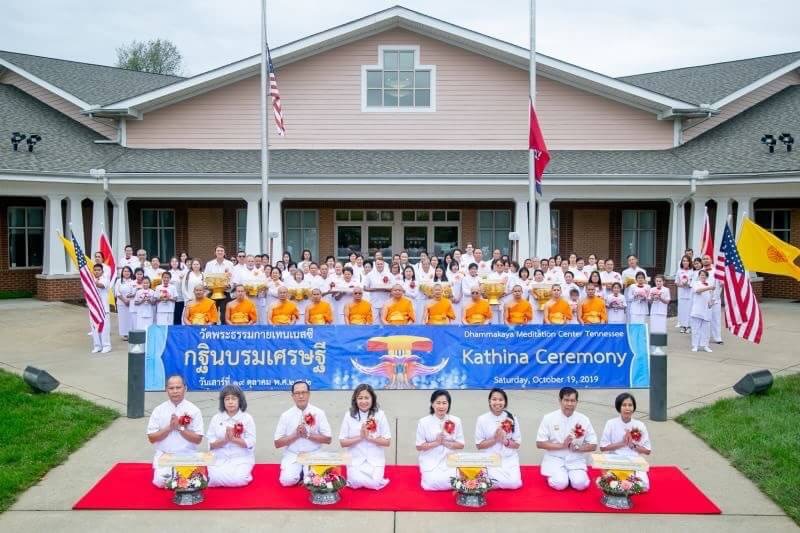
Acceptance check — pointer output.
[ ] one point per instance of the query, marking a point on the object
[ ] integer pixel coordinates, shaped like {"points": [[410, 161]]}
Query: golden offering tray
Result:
{"points": [[427, 289], [542, 292], [493, 290], [155, 282], [252, 289], [299, 294], [218, 284]]}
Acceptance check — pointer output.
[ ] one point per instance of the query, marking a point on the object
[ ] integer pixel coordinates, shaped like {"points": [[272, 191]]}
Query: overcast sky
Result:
{"points": [[614, 37]]}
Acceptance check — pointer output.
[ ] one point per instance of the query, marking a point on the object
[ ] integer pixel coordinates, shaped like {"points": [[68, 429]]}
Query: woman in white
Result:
{"points": [[298, 281], [144, 302], [365, 433], [455, 276], [133, 309], [638, 300], [192, 279], [425, 271], [123, 289], [177, 273], [683, 280], [700, 313], [538, 313], [615, 304], [437, 434], [164, 296], [498, 274], [343, 294], [626, 436], [232, 439], [609, 277], [412, 291], [659, 298], [273, 284], [498, 432]]}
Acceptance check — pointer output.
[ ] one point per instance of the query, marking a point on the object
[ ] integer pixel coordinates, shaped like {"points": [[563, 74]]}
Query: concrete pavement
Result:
{"points": [[694, 380]]}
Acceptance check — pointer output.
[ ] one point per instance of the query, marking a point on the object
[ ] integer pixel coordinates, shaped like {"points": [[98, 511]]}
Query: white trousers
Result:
{"points": [[291, 471], [143, 322], [562, 478], [701, 331], [366, 476], [636, 318], [506, 477], [123, 319], [438, 478], [230, 473], [658, 323], [684, 308], [165, 319], [102, 340]]}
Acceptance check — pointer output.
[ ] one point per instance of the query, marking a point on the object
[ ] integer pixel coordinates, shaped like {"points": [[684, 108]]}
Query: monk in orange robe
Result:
{"points": [[359, 311], [557, 310], [518, 311], [283, 312], [440, 311], [477, 310], [240, 311], [202, 311], [398, 311], [319, 311], [593, 308]]}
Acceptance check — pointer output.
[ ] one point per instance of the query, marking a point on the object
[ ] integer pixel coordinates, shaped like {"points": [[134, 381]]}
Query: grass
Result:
{"points": [[39, 431], [760, 435], [10, 295]]}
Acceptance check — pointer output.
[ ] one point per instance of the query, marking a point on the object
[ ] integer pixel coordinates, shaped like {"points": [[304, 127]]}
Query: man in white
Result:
{"points": [[164, 429], [630, 273], [102, 340], [378, 284], [609, 277], [484, 268], [302, 428], [566, 436], [241, 262], [127, 259], [220, 265], [467, 257], [141, 259], [153, 270], [316, 280], [716, 309]]}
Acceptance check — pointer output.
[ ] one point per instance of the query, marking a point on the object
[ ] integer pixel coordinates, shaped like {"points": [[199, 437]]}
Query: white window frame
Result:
{"points": [[638, 229], [487, 252], [417, 66], [164, 258], [26, 227], [302, 228]]}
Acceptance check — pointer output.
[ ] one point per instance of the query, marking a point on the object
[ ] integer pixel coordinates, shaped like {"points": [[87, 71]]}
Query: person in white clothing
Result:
{"points": [[437, 434], [231, 438], [176, 274], [659, 298], [716, 308], [637, 305], [144, 302], [609, 277], [220, 265], [193, 278], [498, 432], [378, 284], [175, 426], [128, 259], [165, 297], [302, 428], [566, 436], [365, 433], [101, 340], [615, 304], [629, 280], [683, 281], [700, 314], [624, 436], [123, 288]]}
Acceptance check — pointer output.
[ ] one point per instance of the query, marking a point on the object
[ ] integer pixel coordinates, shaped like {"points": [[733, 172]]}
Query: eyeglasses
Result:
{"points": [[300, 393], [240, 255]]}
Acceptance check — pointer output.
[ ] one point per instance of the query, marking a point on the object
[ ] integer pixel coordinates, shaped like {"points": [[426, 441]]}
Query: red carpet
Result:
{"points": [[128, 486]]}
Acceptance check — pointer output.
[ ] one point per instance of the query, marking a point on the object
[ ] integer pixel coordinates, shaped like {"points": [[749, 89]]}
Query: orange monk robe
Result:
{"points": [[281, 313], [441, 312], [558, 312], [242, 312], [399, 312], [320, 313], [593, 311], [359, 313], [202, 312], [477, 312], [519, 312]]}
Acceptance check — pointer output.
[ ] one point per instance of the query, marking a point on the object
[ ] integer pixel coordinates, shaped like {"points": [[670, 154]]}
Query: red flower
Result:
{"points": [[579, 431], [371, 425], [385, 279], [507, 425], [309, 419], [183, 483], [185, 420], [636, 434], [449, 427], [412, 284], [238, 430]]}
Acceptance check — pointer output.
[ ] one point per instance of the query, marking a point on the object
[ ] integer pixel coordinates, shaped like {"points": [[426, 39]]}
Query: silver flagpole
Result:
{"points": [[264, 137], [531, 164]]}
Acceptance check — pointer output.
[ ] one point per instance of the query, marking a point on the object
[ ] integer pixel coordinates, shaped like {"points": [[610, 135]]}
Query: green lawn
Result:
{"points": [[39, 431], [760, 435]]}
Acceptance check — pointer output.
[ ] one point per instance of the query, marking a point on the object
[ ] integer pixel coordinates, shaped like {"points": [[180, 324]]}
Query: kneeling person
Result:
{"points": [[231, 438]]}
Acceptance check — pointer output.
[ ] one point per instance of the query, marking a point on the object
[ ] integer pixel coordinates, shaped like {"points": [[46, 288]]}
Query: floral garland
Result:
{"points": [[612, 485], [324, 480]]}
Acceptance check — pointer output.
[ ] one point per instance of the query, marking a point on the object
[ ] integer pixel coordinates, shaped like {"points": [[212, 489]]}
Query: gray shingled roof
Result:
{"points": [[66, 146], [706, 84], [734, 147], [94, 84]]}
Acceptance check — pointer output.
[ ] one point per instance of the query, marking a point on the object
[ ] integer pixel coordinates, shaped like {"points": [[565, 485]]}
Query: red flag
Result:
{"points": [[536, 144], [707, 239], [108, 255]]}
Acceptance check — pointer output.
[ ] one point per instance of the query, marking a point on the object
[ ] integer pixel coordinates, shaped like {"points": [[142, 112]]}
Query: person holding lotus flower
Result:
{"points": [[437, 434], [231, 438], [365, 433], [566, 436], [498, 432], [626, 436], [302, 428]]}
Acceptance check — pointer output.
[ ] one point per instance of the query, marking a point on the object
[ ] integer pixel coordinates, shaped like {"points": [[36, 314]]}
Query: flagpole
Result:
{"points": [[531, 163], [264, 137]]}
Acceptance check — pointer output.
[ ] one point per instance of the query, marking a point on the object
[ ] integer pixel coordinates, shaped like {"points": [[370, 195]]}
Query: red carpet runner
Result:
{"points": [[128, 486]]}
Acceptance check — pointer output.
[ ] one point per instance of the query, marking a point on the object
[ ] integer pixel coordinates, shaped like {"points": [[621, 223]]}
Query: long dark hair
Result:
{"points": [[599, 281], [502, 393], [354, 410]]}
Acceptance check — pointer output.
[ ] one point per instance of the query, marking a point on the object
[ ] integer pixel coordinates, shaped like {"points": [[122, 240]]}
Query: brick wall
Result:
{"points": [[326, 233], [590, 232], [15, 279], [63, 287]]}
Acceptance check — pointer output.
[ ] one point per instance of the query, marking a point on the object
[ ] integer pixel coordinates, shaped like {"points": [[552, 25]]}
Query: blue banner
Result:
{"points": [[392, 357]]}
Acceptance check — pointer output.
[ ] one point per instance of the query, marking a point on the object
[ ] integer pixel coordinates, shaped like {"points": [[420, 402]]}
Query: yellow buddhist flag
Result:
{"points": [[761, 251], [68, 246]]}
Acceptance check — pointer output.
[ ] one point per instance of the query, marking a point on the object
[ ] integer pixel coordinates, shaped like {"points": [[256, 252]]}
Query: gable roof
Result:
{"points": [[711, 84], [91, 85]]}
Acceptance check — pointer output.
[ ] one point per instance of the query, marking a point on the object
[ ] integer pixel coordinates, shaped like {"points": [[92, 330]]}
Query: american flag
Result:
{"points": [[276, 97], [97, 310], [706, 239], [742, 312]]}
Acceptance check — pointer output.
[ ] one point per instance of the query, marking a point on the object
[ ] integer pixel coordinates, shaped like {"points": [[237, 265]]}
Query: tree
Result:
{"points": [[159, 56]]}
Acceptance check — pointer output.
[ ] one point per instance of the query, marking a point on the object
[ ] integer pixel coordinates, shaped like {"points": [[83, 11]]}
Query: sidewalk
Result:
{"points": [[62, 348]]}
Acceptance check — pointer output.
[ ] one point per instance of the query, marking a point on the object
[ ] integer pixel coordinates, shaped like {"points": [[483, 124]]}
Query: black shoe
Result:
{"points": [[718, 342]]}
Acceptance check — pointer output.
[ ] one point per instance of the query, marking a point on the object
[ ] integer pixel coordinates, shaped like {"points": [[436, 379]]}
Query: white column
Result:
{"points": [[275, 228], [674, 241], [744, 209], [75, 225], [99, 223], [54, 254], [698, 217], [252, 236], [120, 215], [543, 243], [723, 210], [521, 227]]}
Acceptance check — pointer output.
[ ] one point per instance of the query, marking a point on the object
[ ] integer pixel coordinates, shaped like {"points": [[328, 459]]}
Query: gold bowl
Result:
{"points": [[253, 289], [218, 284], [542, 292], [493, 290], [427, 289], [299, 293]]}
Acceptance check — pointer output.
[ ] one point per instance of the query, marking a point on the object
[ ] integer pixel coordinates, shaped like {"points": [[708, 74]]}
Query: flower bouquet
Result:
{"points": [[471, 485], [238, 430], [188, 483], [371, 425], [324, 483], [618, 487], [184, 420]]}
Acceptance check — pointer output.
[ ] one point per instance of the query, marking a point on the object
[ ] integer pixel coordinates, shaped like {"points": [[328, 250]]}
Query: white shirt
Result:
{"points": [[375, 280], [131, 262], [165, 306], [485, 428], [215, 267], [556, 427], [701, 302], [176, 280], [216, 431], [174, 441], [659, 299], [428, 429], [614, 432], [638, 299], [292, 418], [363, 451], [103, 291]]}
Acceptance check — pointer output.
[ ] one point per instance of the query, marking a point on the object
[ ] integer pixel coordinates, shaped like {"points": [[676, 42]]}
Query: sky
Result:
{"points": [[613, 37]]}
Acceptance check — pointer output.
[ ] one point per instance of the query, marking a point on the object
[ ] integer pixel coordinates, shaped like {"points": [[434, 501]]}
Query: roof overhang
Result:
{"points": [[69, 97]]}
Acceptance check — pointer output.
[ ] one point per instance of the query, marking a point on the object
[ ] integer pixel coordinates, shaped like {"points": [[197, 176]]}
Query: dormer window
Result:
{"points": [[398, 82]]}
